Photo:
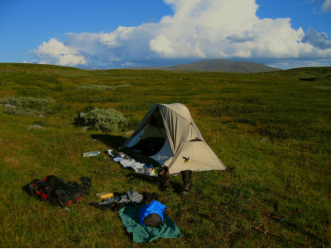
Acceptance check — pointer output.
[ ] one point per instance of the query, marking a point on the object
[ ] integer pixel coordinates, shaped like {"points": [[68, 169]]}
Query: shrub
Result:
{"points": [[102, 119], [27, 106], [28, 102], [100, 87], [21, 112], [91, 96]]}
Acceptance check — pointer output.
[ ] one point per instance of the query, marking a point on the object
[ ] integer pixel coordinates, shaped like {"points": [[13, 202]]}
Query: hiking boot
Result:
{"points": [[187, 181], [164, 179]]}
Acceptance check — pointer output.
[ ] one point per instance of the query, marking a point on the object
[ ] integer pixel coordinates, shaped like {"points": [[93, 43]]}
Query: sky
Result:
{"points": [[109, 34]]}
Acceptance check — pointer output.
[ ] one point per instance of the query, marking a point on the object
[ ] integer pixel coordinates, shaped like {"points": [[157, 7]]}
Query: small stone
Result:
{"points": [[35, 127], [9, 105], [129, 132], [84, 128], [263, 139]]}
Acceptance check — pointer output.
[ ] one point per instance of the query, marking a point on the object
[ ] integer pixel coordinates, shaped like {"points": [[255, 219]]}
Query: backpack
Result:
{"points": [[57, 191]]}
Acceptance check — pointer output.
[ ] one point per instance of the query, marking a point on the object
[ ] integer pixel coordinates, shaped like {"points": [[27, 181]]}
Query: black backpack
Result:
{"points": [[57, 191]]}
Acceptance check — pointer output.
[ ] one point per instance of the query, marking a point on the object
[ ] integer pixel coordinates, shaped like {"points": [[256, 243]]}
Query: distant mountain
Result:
{"points": [[216, 65]]}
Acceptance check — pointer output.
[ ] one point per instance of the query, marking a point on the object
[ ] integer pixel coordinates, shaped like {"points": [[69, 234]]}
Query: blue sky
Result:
{"points": [[127, 33]]}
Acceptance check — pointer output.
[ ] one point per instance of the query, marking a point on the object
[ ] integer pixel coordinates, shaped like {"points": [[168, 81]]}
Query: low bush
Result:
{"points": [[27, 106], [90, 96], [21, 112], [100, 87], [28, 102], [102, 119]]}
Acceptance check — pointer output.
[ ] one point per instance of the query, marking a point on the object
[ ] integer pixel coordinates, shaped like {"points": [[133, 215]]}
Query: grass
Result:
{"points": [[271, 130]]}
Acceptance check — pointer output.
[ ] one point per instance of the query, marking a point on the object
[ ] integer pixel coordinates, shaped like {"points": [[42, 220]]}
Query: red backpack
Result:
{"points": [[57, 191]]}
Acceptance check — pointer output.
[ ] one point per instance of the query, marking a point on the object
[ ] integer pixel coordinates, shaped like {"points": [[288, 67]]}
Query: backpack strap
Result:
{"points": [[60, 203], [34, 190], [43, 189], [58, 193], [84, 187], [72, 197]]}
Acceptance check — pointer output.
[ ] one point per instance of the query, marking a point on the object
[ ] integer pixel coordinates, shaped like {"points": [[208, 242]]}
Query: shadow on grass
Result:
{"points": [[145, 178], [177, 187], [110, 140]]}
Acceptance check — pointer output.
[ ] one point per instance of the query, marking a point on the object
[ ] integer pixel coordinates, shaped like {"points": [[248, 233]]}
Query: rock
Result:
{"points": [[11, 106], [129, 132], [84, 128], [41, 115], [263, 139], [35, 127]]}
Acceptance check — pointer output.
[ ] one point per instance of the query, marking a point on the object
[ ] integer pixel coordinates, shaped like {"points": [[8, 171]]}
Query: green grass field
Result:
{"points": [[272, 131]]}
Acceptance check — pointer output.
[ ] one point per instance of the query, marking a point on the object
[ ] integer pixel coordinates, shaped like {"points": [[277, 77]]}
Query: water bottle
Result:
{"points": [[91, 153]]}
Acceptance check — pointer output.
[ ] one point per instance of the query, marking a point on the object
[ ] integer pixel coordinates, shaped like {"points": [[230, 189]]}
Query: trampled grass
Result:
{"points": [[271, 130]]}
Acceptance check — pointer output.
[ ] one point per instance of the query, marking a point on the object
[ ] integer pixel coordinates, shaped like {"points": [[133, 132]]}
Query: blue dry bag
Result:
{"points": [[151, 215]]}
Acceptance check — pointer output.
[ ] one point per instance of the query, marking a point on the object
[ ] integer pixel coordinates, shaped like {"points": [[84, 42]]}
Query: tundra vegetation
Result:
{"points": [[272, 131]]}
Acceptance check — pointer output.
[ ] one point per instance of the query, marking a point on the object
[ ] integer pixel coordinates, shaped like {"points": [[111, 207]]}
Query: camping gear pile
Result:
{"points": [[166, 142]]}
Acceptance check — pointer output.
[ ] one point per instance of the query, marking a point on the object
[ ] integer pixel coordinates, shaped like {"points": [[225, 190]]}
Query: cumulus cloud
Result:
{"points": [[326, 6], [287, 64], [322, 6], [319, 40], [55, 52], [198, 29], [240, 39]]}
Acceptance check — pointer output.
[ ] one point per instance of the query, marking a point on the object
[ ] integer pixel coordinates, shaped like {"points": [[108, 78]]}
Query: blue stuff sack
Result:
{"points": [[151, 215]]}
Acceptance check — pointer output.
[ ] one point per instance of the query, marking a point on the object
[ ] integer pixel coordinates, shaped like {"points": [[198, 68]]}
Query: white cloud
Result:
{"points": [[319, 40], [326, 6], [287, 64], [322, 6], [55, 52], [198, 29]]}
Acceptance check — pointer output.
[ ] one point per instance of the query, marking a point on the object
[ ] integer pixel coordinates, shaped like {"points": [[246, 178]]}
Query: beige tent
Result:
{"points": [[167, 136]]}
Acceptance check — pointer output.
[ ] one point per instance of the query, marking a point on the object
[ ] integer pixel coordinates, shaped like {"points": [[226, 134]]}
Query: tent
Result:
{"points": [[167, 136]]}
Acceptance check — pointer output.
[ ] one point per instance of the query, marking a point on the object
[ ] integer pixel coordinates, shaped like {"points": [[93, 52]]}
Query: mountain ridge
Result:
{"points": [[215, 65]]}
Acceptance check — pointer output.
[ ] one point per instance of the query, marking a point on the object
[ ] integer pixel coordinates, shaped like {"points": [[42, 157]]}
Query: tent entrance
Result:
{"points": [[150, 145], [152, 138]]}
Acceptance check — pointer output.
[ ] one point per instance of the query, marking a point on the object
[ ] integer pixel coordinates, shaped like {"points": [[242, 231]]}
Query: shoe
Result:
{"points": [[187, 181], [164, 179]]}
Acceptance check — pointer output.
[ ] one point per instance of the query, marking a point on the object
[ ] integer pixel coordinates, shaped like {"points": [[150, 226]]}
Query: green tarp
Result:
{"points": [[141, 234]]}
